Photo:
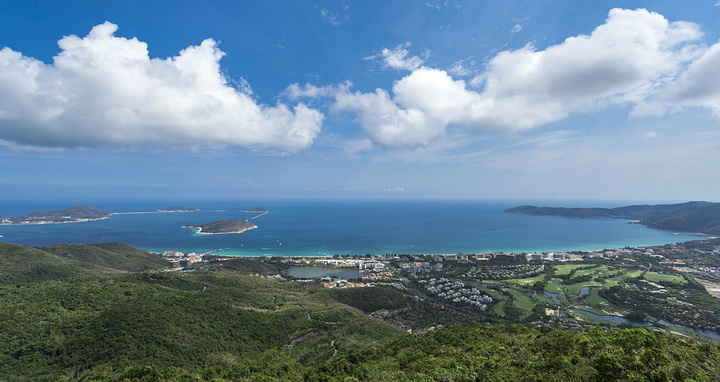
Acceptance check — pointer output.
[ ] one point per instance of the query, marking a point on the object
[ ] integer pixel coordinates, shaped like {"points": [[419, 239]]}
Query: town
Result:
{"points": [[662, 287]]}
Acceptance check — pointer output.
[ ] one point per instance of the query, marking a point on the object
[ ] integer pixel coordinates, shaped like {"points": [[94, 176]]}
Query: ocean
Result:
{"points": [[325, 227]]}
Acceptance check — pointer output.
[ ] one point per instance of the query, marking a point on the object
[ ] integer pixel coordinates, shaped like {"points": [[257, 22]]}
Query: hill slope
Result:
{"points": [[117, 256], [19, 264], [700, 217], [177, 320]]}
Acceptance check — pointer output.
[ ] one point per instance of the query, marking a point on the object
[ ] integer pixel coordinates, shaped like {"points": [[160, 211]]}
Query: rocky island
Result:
{"points": [[224, 226], [178, 209], [69, 215], [258, 210]]}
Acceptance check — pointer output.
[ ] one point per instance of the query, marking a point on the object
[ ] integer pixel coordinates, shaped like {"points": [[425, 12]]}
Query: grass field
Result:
{"points": [[564, 269], [554, 286], [593, 299], [528, 281], [592, 271], [499, 308], [521, 301], [575, 288], [540, 298], [659, 277]]}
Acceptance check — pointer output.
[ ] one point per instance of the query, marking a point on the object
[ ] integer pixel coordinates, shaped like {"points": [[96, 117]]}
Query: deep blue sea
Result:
{"points": [[314, 227]]}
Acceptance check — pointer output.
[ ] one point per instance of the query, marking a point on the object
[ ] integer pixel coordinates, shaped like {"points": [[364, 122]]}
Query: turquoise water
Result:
{"points": [[313, 227]]}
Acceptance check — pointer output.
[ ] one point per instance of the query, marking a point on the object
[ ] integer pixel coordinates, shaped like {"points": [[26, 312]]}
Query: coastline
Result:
{"points": [[52, 222], [315, 228]]}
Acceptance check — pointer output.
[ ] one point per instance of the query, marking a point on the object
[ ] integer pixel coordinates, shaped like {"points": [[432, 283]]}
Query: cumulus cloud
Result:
{"points": [[105, 91], [387, 124], [699, 85], [627, 60], [398, 58]]}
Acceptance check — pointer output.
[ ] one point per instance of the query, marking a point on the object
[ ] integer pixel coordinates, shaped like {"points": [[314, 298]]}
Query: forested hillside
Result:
{"points": [[222, 325], [700, 217]]}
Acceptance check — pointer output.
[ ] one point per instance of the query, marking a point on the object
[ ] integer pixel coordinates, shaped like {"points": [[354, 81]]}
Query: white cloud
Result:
{"points": [[387, 124], [698, 86], [295, 91], [105, 91], [516, 28], [460, 68], [335, 19], [399, 58], [627, 60]]}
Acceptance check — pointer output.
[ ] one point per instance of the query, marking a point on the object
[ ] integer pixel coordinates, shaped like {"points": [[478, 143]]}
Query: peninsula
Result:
{"points": [[178, 209], [69, 215], [695, 217], [224, 226]]}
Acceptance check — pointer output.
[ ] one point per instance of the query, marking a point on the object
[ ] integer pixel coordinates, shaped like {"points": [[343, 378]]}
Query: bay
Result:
{"points": [[325, 227]]}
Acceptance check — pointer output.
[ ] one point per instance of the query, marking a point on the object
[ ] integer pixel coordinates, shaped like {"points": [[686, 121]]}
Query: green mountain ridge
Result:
{"points": [[19, 264], [695, 217], [92, 319]]}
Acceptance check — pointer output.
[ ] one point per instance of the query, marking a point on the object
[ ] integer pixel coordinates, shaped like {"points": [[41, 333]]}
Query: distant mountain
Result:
{"points": [[178, 209], [700, 217], [224, 226], [703, 219], [69, 215]]}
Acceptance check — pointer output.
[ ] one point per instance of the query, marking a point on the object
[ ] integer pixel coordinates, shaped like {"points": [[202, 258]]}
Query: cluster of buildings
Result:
{"points": [[552, 256], [420, 266], [502, 272], [456, 292], [369, 264], [181, 260]]}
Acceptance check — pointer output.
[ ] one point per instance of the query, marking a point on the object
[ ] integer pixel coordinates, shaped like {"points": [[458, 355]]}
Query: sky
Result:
{"points": [[564, 100]]}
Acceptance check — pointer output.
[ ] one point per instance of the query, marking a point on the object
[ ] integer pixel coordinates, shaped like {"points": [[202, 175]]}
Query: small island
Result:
{"points": [[178, 209], [224, 227], [258, 210], [69, 215]]}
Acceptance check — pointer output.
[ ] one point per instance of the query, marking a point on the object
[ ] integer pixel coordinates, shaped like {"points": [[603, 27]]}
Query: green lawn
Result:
{"points": [[540, 298], [592, 271], [528, 281], [593, 299], [620, 279], [564, 269], [499, 308], [659, 277], [554, 286], [575, 288], [521, 301]]}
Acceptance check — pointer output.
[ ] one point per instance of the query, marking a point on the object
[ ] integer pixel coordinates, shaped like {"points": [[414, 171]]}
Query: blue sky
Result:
{"points": [[613, 100]]}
